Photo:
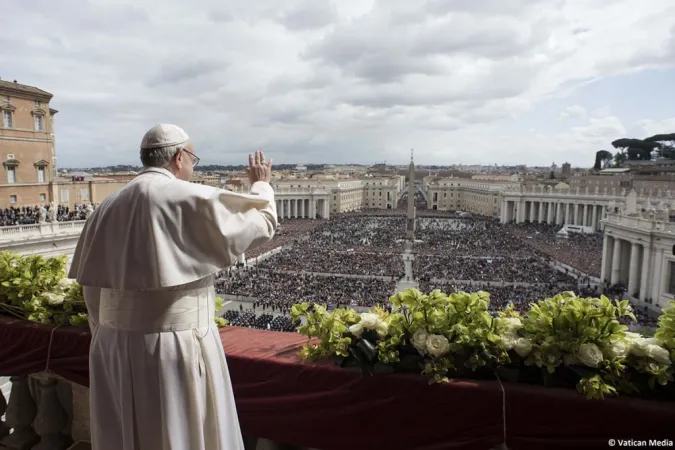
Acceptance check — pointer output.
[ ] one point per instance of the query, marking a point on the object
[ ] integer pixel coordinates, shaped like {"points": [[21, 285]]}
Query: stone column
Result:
{"points": [[326, 209], [294, 208], [606, 271], [280, 212], [616, 262], [302, 208], [644, 282], [568, 215], [551, 210], [51, 419], [531, 216], [595, 217], [634, 273], [21, 412], [586, 215], [542, 206], [559, 214], [312, 208]]}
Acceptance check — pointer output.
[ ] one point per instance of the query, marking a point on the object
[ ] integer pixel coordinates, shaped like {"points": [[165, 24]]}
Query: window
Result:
{"points": [[43, 197], [41, 174], [84, 195], [12, 198], [64, 196], [11, 175], [39, 122], [7, 119]]}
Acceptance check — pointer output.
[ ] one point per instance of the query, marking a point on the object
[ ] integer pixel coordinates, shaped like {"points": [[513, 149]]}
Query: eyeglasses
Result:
{"points": [[195, 158]]}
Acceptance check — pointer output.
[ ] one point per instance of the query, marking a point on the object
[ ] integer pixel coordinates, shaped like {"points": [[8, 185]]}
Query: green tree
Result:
{"points": [[666, 144], [636, 149], [600, 158]]}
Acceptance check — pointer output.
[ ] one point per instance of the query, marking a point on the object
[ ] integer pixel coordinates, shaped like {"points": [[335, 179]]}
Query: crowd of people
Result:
{"points": [[28, 215], [264, 321], [579, 250], [279, 291]]}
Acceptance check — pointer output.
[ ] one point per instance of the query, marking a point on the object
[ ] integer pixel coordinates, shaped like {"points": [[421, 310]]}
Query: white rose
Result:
{"points": [[356, 329], [639, 347], [382, 328], [369, 320], [419, 340], [53, 299], [437, 345], [66, 283], [590, 355], [653, 341], [658, 354], [512, 322], [509, 340], [619, 349], [522, 346]]}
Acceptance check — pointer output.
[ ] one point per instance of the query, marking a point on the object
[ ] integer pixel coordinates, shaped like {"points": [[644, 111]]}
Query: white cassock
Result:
{"points": [[147, 258]]}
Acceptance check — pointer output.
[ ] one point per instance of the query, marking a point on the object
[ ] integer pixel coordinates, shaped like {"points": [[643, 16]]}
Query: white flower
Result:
{"points": [[619, 349], [419, 340], [639, 346], [66, 283], [52, 298], [512, 322], [509, 340], [522, 346], [437, 345], [658, 354], [369, 320], [590, 355], [382, 328], [356, 329]]}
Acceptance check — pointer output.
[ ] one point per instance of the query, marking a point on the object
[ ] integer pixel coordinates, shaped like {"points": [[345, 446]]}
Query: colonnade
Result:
{"points": [[628, 262], [554, 212], [302, 208]]}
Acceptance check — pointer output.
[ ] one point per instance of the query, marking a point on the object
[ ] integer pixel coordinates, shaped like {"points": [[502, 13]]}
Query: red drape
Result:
{"points": [[322, 406]]}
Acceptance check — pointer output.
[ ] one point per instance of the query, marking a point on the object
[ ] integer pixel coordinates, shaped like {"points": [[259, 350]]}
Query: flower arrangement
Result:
{"points": [[36, 289], [564, 340]]}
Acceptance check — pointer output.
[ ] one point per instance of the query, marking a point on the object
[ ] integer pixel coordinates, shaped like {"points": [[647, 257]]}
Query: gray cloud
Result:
{"points": [[319, 80]]}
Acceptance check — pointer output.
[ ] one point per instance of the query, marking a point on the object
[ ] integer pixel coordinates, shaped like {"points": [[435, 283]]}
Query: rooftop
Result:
{"points": [[23, 88]]}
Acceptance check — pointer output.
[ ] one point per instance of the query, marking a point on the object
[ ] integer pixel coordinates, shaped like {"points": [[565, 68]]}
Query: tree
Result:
{"points": [[601, 158], [636, 149], [666, 144]]}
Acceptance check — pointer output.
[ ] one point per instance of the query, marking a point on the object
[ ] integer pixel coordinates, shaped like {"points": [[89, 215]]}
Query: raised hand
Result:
{"points": [[258, 169]]}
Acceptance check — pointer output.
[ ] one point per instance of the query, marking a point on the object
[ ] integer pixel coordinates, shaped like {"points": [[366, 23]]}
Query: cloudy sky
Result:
{"points": [[362, 81]]}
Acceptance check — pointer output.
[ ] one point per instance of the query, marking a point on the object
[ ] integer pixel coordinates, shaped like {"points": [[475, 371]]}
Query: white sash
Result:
{"points": [[156, 311]]}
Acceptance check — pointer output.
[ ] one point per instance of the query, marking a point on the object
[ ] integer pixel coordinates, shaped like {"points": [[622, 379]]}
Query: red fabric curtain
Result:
{"points": [[322, 406]]}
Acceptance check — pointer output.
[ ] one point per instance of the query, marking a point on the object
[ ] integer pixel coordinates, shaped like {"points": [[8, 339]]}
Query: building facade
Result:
{"points": [[27, 146], [639, 253], [563, 205], [476, 196]]}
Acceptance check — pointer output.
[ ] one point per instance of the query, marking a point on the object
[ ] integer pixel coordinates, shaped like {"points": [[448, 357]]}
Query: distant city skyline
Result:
{"points": [[358, 81]]}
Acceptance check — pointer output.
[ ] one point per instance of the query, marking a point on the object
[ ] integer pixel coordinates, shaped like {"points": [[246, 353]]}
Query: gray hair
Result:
{"points": [[161, 157]]}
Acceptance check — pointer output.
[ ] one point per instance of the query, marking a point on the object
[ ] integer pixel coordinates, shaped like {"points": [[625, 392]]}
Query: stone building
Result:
{"points": [[476, 196], [27, 147], [639, 253]]}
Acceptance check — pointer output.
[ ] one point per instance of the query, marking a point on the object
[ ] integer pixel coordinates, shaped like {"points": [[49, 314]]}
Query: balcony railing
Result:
{"points": [[49, 229], [641, 223]]}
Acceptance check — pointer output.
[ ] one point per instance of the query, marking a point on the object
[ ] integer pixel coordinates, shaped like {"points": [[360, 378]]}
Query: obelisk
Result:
{"points": [[408, 281]]}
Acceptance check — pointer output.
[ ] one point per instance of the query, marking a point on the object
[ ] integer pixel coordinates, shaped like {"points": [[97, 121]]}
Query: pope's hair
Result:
{"points": [[161, 157]]}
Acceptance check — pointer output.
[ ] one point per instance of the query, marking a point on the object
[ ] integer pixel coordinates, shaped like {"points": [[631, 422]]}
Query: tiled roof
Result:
{"points": [[23, 88]]}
